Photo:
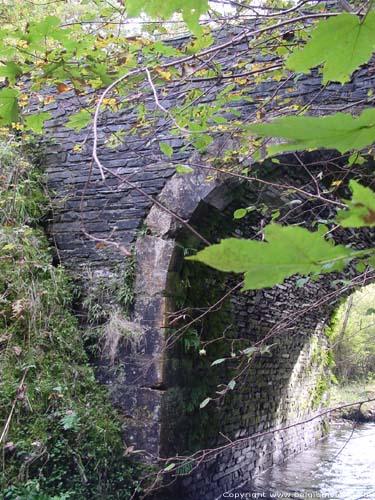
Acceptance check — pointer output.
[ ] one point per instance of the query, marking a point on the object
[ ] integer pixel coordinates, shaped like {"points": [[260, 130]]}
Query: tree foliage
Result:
{"points": [[341, 44], [352, 337], [361, 208]]}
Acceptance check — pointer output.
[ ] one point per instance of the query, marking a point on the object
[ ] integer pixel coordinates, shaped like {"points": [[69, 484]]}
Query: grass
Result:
{"points": [[352, 392], [60, 436]]}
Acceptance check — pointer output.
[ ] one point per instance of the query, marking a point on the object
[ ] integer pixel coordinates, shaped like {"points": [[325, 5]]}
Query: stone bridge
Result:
{"points": [[149, 362]]}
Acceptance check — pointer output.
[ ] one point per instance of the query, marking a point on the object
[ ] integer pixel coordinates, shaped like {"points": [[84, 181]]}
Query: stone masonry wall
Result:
{"points": [[286, 386], [147, 382]]}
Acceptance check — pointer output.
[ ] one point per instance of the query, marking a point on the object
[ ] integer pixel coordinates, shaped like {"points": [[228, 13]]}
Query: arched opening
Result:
{"points": [[195, 344], [196, 351], [274, 337]]}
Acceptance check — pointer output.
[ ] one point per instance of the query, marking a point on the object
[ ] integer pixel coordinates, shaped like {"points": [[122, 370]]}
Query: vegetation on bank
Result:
{"points": [[353, 335], [352, 392], [60, 436]]}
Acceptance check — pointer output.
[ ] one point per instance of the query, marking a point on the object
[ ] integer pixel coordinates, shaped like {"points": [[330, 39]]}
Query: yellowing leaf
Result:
{"points": [[23, 100], [62, 87], [111, 102], [77, 148], [48, 99], [17, 126], [336, 183], [164, 73], [340, 43]]}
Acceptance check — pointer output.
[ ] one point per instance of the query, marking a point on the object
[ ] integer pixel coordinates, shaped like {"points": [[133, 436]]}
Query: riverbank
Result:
{"points": [[350, 393]]}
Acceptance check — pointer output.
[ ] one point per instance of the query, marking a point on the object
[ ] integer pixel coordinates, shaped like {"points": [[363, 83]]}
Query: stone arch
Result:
{"points": [[141, 380], [279, 390]]}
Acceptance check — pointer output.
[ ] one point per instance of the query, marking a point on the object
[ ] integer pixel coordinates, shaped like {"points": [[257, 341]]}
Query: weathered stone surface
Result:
{"points": [[158, 390]]}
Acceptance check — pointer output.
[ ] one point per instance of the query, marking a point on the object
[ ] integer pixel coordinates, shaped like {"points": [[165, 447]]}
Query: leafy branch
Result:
{"points": [[290, 250]]}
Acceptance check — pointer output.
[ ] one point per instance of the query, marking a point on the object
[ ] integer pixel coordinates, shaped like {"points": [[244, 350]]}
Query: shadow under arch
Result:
{"points": [[285, 385]]}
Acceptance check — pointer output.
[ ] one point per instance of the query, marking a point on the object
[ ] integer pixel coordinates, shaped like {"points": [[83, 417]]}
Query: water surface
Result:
{"points": [[340, 467]]}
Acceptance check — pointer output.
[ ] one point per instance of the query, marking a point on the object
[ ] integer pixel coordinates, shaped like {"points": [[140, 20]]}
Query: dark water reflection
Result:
{"points": [[325, 471]]}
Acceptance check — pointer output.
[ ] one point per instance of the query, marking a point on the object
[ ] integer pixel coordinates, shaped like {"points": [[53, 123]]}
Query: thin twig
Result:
{"points": [[19, 393]]}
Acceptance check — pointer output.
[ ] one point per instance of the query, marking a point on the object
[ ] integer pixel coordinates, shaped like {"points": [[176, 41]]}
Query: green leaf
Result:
{"points": [[275, 215], [266, 350], [166, 149], [360, 266], [202, 141], [48, 27], [356, 159], [169, 467], [370, 311], [199, 44], [288, 251], [239, 213], [191, 12], [11, 70], [163, 49], [8, 106], [36, 122], [370, 261], [340, 131], [79, 120], [249, 351], [219, 119], [340, 43], [183, 169], [218, 361], [361, 208], [101, 70]]}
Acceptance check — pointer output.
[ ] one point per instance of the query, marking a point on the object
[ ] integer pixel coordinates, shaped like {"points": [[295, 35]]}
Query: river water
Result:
{"points": [[340, 467]]}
